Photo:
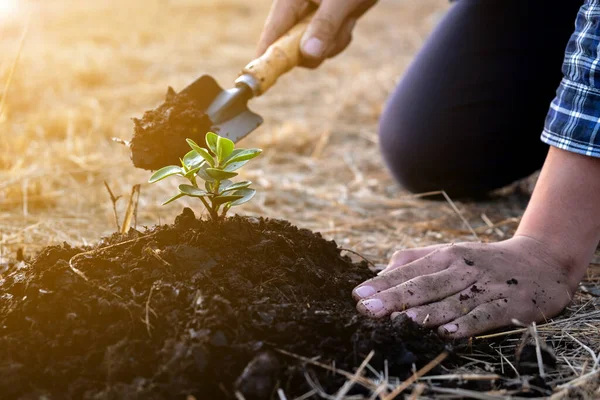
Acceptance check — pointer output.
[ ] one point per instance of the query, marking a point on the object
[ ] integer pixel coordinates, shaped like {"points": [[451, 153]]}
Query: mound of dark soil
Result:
{"points": [[159, 136], [195, 308]]}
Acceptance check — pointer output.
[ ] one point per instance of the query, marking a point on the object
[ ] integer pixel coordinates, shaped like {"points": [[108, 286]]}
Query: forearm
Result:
{"points": [[530, 277], [564, 211]]}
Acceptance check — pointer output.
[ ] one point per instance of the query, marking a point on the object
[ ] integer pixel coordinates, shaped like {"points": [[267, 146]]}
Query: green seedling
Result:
{"points": [[215, 165]]}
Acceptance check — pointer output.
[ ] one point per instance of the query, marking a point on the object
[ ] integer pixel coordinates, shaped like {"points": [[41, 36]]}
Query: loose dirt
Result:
{"points": [[159, 136], [194, 308]]}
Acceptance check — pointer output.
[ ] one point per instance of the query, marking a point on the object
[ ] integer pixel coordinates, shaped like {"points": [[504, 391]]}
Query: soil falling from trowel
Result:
{"points": [[159, 136]]}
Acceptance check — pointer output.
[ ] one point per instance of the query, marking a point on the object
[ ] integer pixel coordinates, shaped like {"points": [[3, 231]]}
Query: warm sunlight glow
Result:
{"points": [[8, 8]]}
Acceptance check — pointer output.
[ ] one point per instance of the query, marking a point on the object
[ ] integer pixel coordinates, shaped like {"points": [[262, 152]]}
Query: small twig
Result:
{"points": [[587, 348], [469, 394], [281, 394], [80, 273], [381, 390], [85, 278], [147, 319], [371, 263], [579, 380], [114, 200], [135, 208], [570, 365], [449, 200], [131, 209], [316, 387], [76, 256], [463, 377], [306, 395], [503, 357], [239, 396], [489, 223], [364, 382], [420, 195], [348, 385], [155, 254], [430, 365], [377, 374], [13, 67], [417, 391], [556, 322], [538, 350]]}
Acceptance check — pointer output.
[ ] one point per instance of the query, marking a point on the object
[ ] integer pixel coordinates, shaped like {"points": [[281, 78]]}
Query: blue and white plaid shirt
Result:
{"points": [[573, 121]]}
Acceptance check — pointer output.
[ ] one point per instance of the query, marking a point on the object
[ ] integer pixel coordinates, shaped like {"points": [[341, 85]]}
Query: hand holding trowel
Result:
{"points": [[204, 106]]}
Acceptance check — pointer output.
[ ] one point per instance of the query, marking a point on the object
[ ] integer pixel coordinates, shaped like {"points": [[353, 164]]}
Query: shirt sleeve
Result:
{"points": [[573, 120]]}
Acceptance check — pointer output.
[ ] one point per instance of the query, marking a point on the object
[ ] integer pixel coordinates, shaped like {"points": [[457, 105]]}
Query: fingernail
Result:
{"points": [[412, 315], [314, 47], [364, 291], [450, 328], [373, 305]]}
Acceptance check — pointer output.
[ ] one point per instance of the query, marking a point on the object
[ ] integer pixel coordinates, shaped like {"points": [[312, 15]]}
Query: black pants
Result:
{"points": [[468, 113]]}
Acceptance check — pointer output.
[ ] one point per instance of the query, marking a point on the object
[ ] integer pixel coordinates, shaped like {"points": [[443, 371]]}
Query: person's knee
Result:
{"points": [[424, 158], [405, 157], [422, 161]]}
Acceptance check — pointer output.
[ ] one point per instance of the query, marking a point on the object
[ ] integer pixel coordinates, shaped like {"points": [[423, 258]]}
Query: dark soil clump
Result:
{"points": [[195, 308], [159, 136]]}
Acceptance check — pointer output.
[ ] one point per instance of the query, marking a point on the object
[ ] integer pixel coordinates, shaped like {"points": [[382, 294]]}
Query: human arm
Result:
{"points": [[470, 288], [329, 32]]}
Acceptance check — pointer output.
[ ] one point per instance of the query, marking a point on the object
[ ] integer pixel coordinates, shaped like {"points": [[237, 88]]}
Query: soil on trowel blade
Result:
{"points": [[159, 136], [197, 309]]}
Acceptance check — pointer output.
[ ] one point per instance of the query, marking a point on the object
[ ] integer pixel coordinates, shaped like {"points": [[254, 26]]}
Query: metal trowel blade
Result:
{"points": [[226, 108]]}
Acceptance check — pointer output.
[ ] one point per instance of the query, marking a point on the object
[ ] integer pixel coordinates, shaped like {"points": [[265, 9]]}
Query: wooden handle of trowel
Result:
{"points": [[280, 57]]}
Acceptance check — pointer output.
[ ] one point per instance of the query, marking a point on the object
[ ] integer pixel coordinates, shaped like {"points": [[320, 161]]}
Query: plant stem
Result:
{"points": [[214, 216], [216, 192]]}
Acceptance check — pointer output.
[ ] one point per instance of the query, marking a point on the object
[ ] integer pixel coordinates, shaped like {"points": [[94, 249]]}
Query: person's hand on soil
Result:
{"points": [[328, 34], [469, 288]]}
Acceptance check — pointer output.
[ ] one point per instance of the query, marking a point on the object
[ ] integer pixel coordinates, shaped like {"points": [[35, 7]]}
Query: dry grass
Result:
{"points": [[87, 67]]}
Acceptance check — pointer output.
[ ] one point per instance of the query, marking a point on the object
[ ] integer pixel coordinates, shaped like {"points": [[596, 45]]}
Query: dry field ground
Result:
{"points": [[87, 67]]}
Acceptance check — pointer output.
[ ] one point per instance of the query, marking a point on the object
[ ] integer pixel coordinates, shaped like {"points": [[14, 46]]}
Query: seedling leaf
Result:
{"points": [[243, 155], [172, 199], [202, 152], [193, 191], [215, 165], [224, 185], [204, 175], [238, 186], [165, 172], [235, 166], [247, 195], [211, 141], [224, 148], [192, 172], [192, 160], [220, 174], [225, 199]]}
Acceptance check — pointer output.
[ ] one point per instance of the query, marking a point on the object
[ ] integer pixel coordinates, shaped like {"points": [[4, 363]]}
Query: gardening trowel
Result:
{"points": [[227, 109]]}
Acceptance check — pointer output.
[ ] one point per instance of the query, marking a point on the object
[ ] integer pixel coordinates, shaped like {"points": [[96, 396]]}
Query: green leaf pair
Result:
{"points": [[215, 165]]}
